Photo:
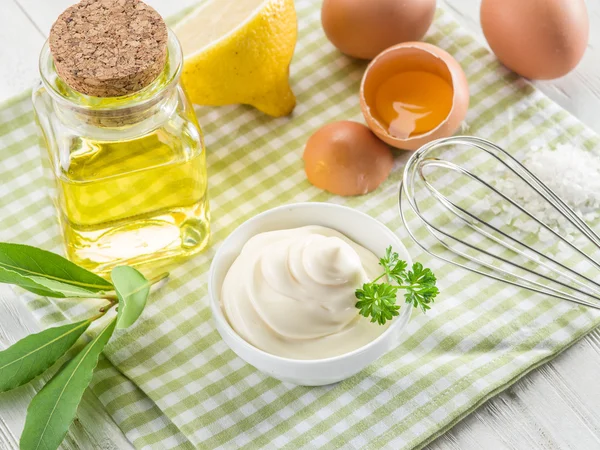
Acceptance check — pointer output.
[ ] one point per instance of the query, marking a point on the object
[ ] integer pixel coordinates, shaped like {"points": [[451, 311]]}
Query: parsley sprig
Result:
{"points": [[378, 299]]}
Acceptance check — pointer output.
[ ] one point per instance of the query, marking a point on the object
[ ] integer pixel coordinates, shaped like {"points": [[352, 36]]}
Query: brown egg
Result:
{"points": [[538, 39], [364, 28], [345, 158], [425, 89]]}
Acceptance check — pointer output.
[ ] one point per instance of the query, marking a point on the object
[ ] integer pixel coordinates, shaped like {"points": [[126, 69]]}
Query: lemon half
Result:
{"points": [[239, 51]]}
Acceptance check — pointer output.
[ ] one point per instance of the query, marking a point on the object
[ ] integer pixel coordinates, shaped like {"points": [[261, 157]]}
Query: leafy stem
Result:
{"points": [[104, 309], [52, 410], [377, 300]]}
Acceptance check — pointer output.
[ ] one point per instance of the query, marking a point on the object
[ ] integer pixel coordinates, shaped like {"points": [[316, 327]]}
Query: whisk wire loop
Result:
{"points": [[575, 282], [472, 222]]}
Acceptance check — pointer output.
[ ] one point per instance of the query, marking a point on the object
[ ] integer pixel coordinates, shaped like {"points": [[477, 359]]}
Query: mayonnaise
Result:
{"points": [[291, 293]]}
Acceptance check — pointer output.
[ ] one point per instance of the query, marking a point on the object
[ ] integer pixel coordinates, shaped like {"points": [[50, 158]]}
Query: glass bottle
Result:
{"points": [[127, 174]]}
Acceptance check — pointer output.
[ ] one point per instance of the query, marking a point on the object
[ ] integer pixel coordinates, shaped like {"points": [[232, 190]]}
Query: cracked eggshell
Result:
{"points": [[411, 56]]}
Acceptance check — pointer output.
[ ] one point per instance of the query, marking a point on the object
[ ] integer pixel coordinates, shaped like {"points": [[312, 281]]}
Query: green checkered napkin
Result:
{"points": [[171, 382]]}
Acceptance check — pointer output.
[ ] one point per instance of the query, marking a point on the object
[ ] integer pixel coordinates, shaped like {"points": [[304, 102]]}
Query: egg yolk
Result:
{"points": [[412, 103]]}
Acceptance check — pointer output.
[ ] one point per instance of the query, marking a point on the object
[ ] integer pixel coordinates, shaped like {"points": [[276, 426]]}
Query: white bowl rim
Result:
{"points": [[215, 304]]}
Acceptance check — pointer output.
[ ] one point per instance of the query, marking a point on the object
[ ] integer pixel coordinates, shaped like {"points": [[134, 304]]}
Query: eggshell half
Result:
{"points": [[345, 158], [422, 57]]}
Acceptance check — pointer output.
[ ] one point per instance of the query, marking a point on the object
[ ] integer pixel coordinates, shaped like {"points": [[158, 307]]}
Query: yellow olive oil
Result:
{"points": [[134, 202]]}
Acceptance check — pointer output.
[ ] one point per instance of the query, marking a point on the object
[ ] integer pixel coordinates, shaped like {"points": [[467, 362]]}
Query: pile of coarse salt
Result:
{"points": [[572, 173]]}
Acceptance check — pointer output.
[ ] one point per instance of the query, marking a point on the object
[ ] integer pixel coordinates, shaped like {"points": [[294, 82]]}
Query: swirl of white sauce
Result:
{"points": [[291, 293]]}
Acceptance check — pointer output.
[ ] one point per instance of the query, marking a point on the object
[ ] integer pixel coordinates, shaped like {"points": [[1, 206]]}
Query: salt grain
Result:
{"points": [[572, 173]]}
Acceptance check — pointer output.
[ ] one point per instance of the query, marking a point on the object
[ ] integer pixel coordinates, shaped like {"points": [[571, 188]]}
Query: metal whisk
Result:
{"points": [[463, 220]]}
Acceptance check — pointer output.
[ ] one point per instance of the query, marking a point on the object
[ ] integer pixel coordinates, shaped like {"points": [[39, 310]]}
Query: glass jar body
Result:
{"points": [[129, 182]]}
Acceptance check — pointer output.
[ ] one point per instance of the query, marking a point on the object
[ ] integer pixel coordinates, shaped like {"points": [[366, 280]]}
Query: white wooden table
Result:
{"points": [[554, 407]]}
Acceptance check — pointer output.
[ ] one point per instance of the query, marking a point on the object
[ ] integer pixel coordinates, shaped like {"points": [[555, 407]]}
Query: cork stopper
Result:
{"points": [[109, 48]]}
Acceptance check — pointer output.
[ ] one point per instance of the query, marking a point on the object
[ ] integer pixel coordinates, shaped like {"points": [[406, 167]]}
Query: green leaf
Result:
{"points": [[32, 355], [46, 273], [132, 291], [392, 264], [378, 301], [422, 289], [67, 290], [45, 286], [53, 408], [11, 277]]}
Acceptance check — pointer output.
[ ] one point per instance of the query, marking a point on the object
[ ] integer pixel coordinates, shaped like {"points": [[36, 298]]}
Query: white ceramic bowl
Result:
{"points": [[357, 226]]}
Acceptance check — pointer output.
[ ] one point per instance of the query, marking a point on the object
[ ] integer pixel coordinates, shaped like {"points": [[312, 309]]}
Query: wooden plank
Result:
{"points": [[21, 43]]}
